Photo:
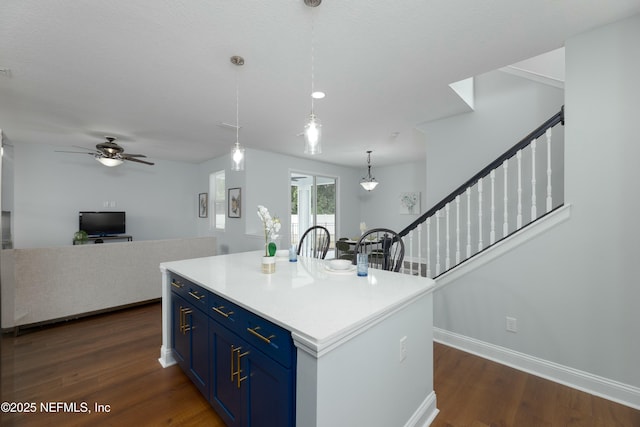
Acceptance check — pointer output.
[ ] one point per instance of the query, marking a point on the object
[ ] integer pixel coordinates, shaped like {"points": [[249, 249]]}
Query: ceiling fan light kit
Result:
{"points": [[369, 182], [111, 154]]}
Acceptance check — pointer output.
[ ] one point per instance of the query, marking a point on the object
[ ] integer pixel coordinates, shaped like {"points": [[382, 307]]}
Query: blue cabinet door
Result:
{"points": [[248, 388], [270, 400], [190, 341], [226, 396]]}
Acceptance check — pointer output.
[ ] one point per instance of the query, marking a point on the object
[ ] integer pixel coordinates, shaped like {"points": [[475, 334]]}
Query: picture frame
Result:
{"points": [[203, 205], [234, 202], [410, 203]]}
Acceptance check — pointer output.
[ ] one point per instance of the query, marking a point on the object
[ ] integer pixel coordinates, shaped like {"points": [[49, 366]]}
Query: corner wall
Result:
{"points": [[574, 290]]}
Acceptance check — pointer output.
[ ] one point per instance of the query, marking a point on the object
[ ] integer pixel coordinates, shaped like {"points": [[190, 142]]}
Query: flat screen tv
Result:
{"points": [[102, 223]]}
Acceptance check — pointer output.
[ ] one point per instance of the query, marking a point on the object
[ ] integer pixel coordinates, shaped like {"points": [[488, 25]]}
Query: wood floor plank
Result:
{"points": [[112, 359]]}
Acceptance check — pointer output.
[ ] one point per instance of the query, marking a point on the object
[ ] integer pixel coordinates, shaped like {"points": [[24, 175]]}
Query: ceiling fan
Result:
{"points": [[111, 154]]}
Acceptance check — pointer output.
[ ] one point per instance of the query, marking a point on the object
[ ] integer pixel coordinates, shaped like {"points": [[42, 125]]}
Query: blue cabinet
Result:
{"points": [[190, 328], [244, 364]]}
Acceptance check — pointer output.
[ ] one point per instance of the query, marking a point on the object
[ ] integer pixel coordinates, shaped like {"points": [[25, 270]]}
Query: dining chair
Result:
{"points": [[384, 247], [314, 242], [344, 249]]}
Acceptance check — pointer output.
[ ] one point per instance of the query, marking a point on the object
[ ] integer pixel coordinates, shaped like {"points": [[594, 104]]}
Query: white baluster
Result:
{"points": [[479, 214], [534, 213], [469, 222], [429, 247], [447, 259], [457, 229], [549, 197], [437, 243], [492, 233], [505, 224], [519, 217], [410, 254], [420, 249]]}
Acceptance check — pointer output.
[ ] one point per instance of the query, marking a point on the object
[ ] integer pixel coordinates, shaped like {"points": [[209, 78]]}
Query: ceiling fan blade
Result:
{"points": [[133, 159], [132, 155]]}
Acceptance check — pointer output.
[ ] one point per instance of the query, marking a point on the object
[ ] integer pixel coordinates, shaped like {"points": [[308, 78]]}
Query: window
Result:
{"points": [[217, 196], [313, 202]]}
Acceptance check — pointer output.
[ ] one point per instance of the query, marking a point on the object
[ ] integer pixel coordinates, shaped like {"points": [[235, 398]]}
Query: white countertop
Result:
{"points": [[321, 308]]}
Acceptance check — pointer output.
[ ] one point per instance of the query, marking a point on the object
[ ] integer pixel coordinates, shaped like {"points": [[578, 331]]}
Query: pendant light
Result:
{"points": [[313, 129], [369, 182], [237, 151]]}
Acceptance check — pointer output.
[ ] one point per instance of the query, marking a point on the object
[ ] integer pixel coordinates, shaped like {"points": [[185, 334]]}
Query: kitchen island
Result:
{"points": [[363, 345]]}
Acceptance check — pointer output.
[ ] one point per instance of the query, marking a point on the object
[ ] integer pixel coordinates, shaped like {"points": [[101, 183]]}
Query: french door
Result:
{"points": [[313, 202]]}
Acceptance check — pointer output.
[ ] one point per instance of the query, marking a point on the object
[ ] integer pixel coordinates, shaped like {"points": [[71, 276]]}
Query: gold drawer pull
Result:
{"points": [[259, 335], [176, 284], [196, 296], [220, 312]]}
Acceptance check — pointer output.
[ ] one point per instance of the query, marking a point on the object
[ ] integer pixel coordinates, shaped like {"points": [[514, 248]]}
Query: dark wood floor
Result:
{"points": [[111, 360]]}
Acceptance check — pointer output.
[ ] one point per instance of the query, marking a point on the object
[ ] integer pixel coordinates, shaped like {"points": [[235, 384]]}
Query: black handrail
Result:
{"points": [[537, 133]]}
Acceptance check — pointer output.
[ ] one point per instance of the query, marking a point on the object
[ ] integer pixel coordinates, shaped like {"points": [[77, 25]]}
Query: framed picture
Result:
{"points": [[234, 210], [203, 207], [410, 203]]}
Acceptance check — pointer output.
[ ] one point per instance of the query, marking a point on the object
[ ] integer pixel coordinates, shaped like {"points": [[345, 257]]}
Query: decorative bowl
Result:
{"points": [[339, 264]]}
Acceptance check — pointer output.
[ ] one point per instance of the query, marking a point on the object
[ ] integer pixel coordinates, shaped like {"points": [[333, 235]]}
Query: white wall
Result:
{"points": [[381, 207], [51, 188], [574, 290], [265, 181], [508, 108]]}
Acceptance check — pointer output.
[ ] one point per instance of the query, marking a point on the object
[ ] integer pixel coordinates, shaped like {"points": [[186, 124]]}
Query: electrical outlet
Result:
{"points": [[512, 324], [403, 348]]}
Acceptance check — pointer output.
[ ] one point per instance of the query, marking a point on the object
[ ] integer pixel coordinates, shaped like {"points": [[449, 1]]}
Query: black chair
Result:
{"points": [[384, 247], [314, 242], [344, 249]]}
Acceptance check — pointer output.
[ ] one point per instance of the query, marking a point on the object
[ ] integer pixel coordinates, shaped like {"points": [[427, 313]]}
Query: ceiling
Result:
{"points": [[157, 73]]}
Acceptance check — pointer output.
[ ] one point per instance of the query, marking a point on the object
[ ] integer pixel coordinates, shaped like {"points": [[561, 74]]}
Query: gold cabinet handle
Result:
{"points": [[233, 373], [176, 284], [259, 335], [196, 296], [184, 328], [239, 371], [220, 312]]}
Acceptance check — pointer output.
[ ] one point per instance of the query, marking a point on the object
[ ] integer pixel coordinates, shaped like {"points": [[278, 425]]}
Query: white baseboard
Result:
{"points": [[593, 384], [425, 414]]}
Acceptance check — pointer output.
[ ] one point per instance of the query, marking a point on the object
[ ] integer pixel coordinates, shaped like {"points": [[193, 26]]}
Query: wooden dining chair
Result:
{"points": [[384, 247], [314, 242]]}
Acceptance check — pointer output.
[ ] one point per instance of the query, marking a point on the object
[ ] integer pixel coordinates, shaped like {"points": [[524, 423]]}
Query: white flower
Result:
{"points": [[271, 225]]}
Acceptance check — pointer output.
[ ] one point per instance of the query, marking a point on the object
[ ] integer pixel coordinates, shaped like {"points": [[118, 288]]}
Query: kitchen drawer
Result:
{"points": [[271, 339], [197, 295]]}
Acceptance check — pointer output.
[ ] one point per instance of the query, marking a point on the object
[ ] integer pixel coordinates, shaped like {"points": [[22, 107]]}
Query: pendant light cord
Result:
{"points": [[237, 108], [312, 58]]}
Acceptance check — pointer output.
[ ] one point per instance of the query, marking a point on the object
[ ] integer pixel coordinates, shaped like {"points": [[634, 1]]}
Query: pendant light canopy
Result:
{"points": [[237, 151], [313, 129], [369, 182]]}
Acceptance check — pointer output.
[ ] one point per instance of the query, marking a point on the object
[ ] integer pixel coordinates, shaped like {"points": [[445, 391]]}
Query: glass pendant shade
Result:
{"points": [[237, 157], [109, 161], [369, 182], [369, 185], [312, 136]]}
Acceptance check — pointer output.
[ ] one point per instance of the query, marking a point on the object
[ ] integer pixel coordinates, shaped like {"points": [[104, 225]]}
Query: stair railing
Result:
{"points": [[432, 231]]}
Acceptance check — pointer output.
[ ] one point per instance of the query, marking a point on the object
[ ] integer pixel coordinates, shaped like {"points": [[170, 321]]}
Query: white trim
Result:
{"points": [[425, 414], [516, 239], [536, 77], [624, 394]]}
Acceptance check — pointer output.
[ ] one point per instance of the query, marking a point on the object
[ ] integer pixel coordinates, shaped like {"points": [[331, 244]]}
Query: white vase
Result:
{"points": [[268, 264]]}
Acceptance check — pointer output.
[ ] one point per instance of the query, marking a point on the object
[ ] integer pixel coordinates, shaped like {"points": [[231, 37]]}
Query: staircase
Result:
{"points": [[512, 192]]}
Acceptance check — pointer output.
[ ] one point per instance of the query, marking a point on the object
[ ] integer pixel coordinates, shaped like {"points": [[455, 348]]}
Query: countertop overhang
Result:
{"points": [[320, 308]]}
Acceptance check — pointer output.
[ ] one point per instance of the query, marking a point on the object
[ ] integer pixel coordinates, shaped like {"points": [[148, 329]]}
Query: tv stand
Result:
{"points": [[96, 239]]}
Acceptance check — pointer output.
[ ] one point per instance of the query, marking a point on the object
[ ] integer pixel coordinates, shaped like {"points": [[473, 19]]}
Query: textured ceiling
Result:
{"points": [[156, 73]]}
